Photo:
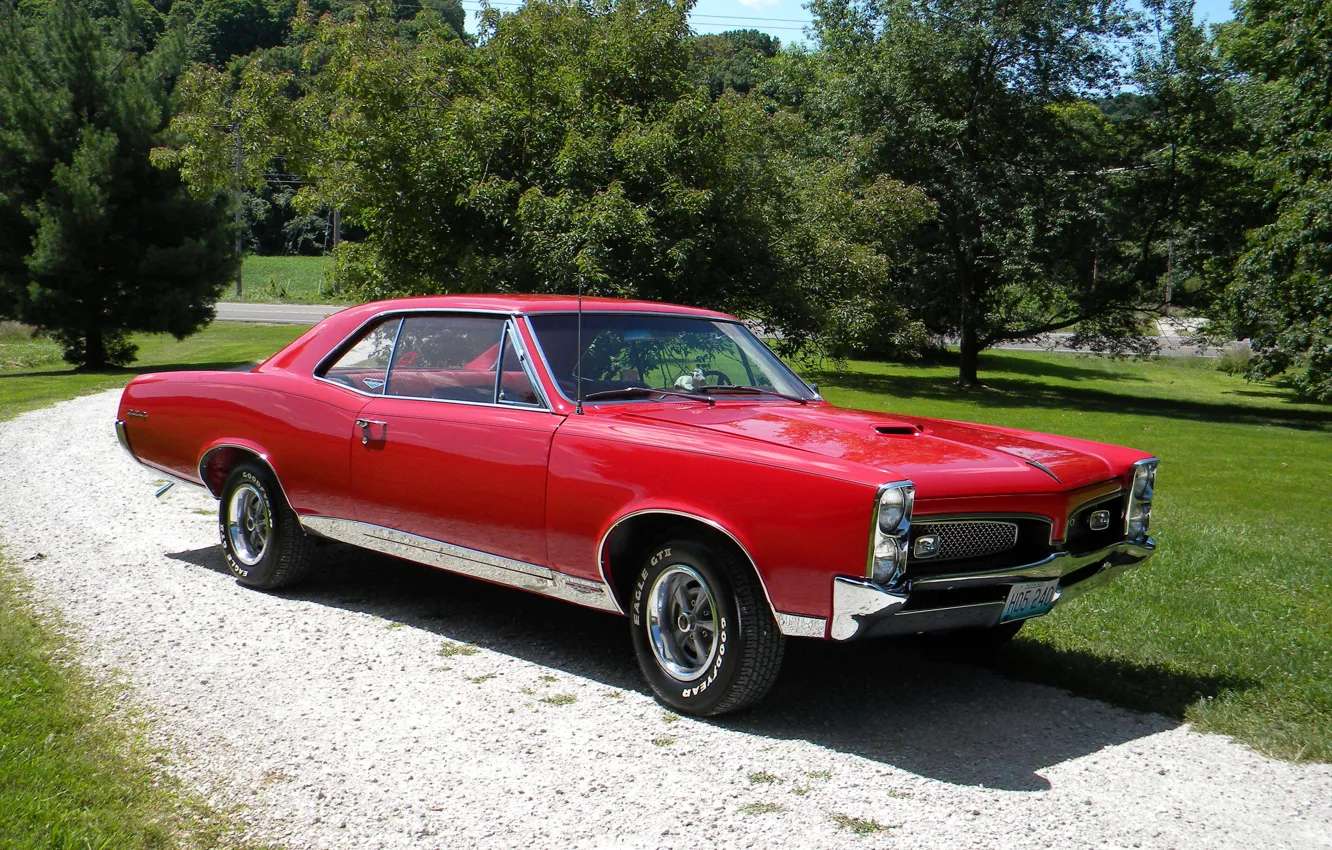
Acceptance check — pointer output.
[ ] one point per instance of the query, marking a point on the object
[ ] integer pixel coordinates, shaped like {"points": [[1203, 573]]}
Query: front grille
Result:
{"points": [[962, 540]]}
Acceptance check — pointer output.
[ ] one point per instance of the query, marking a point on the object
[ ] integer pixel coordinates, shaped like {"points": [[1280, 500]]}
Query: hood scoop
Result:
{"points": [[899, 429]]}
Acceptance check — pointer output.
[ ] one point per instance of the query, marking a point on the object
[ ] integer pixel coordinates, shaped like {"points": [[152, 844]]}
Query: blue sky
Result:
{"points": [[721, 15], [786, 19]]}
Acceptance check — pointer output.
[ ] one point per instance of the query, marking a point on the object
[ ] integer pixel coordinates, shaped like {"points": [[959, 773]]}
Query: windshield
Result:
{"points": [[647, 352]]}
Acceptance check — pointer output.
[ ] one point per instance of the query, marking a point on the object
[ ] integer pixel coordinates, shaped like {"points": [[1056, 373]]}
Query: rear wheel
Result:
{"points": [[705, 639], [265, 546]]}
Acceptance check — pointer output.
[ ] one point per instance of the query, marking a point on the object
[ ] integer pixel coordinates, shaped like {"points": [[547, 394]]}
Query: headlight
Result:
{"points": [[892, 527], [889, 554], [894, 507], [1144, 482], [1138, 520]]}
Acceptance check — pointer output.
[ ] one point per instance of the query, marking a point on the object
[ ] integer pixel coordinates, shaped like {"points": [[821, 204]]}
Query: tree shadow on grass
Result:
{"points": [[1070, 367], [1067, 366], [1008, 393], [895, 702]]}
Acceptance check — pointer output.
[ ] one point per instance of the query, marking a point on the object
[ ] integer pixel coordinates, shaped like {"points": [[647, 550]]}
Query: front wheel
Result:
{"points": [[265, 546], [705, 639]]}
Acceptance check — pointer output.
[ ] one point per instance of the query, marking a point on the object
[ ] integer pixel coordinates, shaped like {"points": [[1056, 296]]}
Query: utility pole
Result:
{"points": [[337, 238], [1170, 274], [239, 204]]}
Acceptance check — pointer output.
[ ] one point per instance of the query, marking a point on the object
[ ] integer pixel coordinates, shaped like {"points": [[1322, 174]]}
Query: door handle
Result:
{"points": [[366, 424]]}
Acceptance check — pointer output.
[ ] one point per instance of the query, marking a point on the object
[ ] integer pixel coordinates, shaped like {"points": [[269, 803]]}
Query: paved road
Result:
{"points": [[1168, 346], [278, 314]]}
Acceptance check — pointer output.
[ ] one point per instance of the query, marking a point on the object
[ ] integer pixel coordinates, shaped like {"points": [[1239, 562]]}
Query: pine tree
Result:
{"points": [[95, 241]]}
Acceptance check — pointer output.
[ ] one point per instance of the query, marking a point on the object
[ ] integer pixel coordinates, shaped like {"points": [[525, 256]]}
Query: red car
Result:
{"points": [[648, 459]]}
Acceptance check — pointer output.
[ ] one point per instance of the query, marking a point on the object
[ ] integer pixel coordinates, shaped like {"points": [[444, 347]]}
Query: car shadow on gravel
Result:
{"points": [[896, 702]]}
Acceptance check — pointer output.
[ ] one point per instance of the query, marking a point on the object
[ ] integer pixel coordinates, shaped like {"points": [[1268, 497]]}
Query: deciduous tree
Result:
{"points": [[569, 150], [1281, 297], [984, 105]]}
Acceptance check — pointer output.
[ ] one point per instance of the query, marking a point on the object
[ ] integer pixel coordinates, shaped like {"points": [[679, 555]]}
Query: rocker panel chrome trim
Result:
{"points": [[464, 561]]}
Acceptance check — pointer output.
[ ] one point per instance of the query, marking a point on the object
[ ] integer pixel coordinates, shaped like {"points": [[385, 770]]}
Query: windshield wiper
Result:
{"points": [[646, 392], [741, 388]]}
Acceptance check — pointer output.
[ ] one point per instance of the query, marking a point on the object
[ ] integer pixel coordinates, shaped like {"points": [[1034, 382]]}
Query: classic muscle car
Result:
{"points": [[651, 460]]}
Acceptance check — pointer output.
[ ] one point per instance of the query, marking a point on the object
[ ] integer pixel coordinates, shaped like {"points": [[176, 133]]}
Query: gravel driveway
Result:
{"points": [[388, 705]]}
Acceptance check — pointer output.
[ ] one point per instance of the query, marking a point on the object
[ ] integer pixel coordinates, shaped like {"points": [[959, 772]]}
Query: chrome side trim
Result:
{"points": [[464, 561], [601, 550], [798, 625], [854, 598]]}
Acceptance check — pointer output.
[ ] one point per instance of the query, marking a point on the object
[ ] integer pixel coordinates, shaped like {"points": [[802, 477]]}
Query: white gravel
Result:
{"points": [[330, 715]]}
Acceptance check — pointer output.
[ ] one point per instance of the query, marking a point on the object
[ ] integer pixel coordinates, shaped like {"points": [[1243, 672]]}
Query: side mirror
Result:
{"points": [[815, 388]]}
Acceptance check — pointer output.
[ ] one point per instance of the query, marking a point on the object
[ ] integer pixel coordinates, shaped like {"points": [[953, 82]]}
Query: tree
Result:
{"points": [[219, 30], [1182, 191], [732, 61], [95, 242], [1281, 297], [569, 150], [984, 105]]}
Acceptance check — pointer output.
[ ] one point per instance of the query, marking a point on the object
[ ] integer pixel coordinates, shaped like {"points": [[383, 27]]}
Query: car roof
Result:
{"points": [[533, 304]]}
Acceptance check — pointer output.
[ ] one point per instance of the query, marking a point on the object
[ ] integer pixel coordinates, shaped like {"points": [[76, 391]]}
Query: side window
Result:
{"points": [[446, 357], [364, 366], [515, 387]]}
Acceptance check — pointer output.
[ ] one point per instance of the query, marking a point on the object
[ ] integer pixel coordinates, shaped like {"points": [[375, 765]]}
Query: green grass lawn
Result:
{"points": [[284, 280], [1230, 626], [70, 777], [32, 373]]}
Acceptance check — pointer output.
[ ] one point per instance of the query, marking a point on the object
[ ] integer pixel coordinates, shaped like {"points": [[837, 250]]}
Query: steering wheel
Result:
{"points": [[722, 379], [407, 358]]}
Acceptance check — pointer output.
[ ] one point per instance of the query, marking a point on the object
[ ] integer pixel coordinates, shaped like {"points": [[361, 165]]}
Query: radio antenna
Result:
{"points": [[578, 369]]}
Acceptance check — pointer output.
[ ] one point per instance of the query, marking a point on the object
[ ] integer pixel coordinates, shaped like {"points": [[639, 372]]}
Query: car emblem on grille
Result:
{"points": [[927, 546], [1099, 520]]}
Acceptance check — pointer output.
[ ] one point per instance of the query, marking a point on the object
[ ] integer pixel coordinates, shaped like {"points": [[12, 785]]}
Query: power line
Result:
{"points": [[692, 15]]}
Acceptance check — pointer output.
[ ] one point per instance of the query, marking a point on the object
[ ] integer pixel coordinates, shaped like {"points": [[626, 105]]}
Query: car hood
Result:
{"points": [[943, 458]]}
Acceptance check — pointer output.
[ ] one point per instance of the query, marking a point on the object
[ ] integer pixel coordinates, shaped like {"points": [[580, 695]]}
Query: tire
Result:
{"points": [[691, 668], [265, 546], [978, 641]]}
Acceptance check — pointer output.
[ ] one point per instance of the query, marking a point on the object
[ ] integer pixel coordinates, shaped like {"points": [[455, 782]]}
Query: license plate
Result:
{"points": [[1030, 599]]}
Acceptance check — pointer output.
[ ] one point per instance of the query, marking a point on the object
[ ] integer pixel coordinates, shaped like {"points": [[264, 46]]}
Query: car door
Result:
{"points": [[454, 447]]}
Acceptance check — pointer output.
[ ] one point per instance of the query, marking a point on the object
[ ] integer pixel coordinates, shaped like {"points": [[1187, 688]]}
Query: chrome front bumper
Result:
{"points": [[862, 608]]}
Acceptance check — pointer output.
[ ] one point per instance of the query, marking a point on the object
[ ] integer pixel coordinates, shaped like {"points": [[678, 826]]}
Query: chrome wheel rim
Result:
{"points": [[249, 524], [682, 622]]}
